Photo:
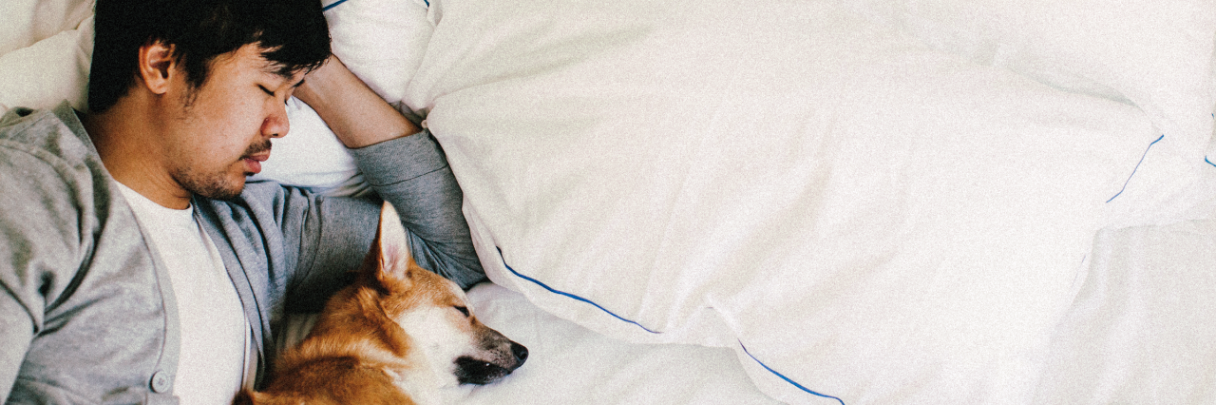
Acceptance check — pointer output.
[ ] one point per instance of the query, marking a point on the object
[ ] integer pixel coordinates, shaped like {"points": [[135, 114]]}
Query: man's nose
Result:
{"points": [[276, 124]]}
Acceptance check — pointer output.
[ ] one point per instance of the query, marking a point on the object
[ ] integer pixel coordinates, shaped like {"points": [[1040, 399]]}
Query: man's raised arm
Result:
{"points": [[403, 164]]}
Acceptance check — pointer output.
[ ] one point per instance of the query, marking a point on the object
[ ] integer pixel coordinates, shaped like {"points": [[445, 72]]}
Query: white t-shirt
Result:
{"points": [[216, 350]]}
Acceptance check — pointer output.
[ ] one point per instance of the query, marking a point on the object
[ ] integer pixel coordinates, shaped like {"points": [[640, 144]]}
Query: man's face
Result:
{"points": [[220, 132]]}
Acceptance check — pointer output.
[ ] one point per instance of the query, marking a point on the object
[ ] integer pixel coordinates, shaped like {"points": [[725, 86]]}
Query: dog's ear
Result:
{"points": [[395, 259]]}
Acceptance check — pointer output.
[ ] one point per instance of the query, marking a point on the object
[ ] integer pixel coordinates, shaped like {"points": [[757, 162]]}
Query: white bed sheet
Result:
{"points": [[573, 365], [1140, 332]]}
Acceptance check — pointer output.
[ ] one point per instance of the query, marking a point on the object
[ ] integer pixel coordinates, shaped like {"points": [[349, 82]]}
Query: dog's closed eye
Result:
{"points": [[463, 310]]}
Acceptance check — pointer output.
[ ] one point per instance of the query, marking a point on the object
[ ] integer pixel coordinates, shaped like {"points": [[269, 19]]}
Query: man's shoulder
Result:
{"points": [[52, 132], [24, 125], [48, 151]]}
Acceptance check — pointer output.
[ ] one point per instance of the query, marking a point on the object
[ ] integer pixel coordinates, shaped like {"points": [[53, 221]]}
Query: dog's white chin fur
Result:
{"points": [[438, 341]]}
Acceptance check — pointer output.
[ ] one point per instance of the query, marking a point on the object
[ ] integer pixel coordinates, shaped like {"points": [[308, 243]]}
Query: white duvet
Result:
{"points": [[862, 218]]}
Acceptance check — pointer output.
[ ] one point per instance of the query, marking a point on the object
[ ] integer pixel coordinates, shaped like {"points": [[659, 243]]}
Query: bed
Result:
{"points": [[802, 202]]}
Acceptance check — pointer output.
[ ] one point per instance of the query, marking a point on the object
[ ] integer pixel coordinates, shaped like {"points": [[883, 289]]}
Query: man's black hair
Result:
{"points": [[293, 35]]}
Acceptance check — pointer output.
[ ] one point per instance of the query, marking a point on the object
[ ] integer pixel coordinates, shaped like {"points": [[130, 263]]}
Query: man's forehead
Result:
{"points": [[278, 70], [282, 71], [253, 56]]}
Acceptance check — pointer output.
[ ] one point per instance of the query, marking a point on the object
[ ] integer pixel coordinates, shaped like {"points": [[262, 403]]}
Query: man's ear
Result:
{"points": [[156, 66]]}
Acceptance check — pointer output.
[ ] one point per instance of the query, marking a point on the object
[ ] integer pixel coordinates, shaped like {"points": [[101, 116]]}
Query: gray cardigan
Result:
{"points": [[87, 314]]}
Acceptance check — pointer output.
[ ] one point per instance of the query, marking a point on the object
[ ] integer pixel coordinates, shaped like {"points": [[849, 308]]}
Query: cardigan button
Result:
{"points": [[161, 383]]}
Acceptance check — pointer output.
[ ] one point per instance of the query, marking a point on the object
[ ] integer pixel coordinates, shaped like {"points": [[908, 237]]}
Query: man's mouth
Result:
{"points": [[255, 155], [253, 164]]}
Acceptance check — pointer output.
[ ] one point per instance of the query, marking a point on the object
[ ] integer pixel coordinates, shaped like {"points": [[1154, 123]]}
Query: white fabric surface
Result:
{"points": [[46, 73], [1155, 53], [863, 219], [382, 41], [572, 365], [1139, 333], [25, 22], [1141, 330]]}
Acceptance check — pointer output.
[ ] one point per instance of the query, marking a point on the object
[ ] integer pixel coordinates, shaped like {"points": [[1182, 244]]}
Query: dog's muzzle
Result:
{"points": [[471, 370]]}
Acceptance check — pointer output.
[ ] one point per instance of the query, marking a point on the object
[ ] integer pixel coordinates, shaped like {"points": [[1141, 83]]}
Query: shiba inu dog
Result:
{"points": [[398, 335]]}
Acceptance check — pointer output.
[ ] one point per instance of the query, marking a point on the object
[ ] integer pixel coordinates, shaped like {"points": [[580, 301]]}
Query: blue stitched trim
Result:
{"points": [[332, 5], [584, 300], [783, 377], [1209, 158], [1129, 178], [336, 3], [566, 294]]}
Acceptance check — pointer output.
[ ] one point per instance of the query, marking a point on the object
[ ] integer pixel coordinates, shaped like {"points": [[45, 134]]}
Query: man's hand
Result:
{"points": [[353, 111]]}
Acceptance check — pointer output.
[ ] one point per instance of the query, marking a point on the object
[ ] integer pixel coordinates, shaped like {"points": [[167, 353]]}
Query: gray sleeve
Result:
{"points": [[328, 238], [413, 174], [39, 250], [325, 238]]}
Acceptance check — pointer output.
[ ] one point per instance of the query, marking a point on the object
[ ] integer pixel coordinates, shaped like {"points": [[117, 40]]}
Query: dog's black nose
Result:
{"points": [[520, 352]]}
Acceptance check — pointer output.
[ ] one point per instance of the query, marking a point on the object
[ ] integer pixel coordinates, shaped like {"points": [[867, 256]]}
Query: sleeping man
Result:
{"points": [[136, 264]]}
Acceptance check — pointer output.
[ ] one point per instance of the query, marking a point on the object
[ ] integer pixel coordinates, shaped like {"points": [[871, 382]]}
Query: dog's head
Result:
{"points": [[435, 314]]}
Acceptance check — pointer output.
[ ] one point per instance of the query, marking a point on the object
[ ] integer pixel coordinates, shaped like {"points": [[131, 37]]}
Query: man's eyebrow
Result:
{"points": [[301, 82], [277, 69]]}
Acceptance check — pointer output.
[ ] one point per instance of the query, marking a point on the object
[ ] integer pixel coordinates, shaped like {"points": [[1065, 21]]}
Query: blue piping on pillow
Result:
{"points": [[1209, 158], [332, 5], [1129, 178], [566, 294], [336, 3], [783, 377], [584, 300]]}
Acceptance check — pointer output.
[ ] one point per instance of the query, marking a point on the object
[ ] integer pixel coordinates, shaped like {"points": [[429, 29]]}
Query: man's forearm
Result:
{"points": [[410, 172], [356, 114]]}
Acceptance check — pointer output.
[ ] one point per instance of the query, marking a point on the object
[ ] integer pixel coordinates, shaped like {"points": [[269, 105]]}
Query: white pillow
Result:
{"points": [[24, 22], [1157, 54], [381, 41], [52, 70]]}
